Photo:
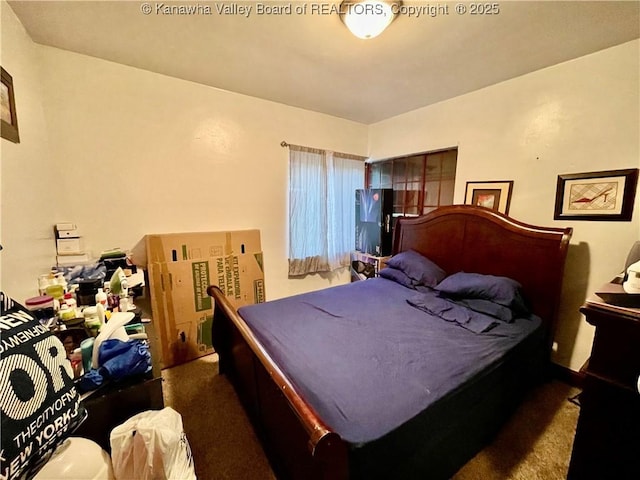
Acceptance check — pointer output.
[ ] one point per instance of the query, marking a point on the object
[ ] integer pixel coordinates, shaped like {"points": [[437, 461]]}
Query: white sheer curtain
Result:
{"points": [[322, 188]]}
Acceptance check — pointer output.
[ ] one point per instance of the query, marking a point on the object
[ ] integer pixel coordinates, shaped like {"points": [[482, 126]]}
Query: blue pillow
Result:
{"points": [[488, 307], [397, 276], [502, 290], [417, 267]]}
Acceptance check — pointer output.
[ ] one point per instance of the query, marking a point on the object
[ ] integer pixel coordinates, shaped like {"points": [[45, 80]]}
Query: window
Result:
{"points": [[322, 188], [421, 183]]}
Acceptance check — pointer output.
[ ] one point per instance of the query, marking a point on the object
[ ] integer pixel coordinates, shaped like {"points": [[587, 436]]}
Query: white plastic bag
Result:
{"points": [[152, 445]]}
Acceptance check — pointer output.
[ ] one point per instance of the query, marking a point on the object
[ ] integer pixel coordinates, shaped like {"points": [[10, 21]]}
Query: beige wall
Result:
{"points": [[579, 116], [153, 154], [132, 152], [28, 176]]}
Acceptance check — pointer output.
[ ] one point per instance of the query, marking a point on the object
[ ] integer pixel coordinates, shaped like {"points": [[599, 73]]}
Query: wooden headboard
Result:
{"points": [[476, 239]]}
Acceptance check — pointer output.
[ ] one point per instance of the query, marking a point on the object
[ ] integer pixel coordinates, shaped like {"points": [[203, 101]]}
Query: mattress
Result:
{"points": [[368, 362]]}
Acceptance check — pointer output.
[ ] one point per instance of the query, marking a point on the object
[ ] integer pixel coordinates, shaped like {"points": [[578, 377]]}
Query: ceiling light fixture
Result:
{"points": [[368, 18]]}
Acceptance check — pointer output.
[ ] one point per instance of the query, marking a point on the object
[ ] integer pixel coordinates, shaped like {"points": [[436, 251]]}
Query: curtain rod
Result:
{"points": [[320, 150]]}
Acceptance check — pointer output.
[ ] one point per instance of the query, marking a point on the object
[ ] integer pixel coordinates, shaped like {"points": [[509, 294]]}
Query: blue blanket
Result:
{"points": [[366, 360], [452, 311]]}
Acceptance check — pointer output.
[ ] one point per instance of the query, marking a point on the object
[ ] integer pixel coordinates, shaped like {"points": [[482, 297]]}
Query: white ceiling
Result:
{"points": [[311, 60]]}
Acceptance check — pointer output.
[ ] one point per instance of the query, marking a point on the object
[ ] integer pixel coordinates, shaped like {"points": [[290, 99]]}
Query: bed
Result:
{"points": [[387, 379]]}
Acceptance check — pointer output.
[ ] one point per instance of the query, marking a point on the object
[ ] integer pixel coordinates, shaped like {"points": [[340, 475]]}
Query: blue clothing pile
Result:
{"points": [[117, 360]]}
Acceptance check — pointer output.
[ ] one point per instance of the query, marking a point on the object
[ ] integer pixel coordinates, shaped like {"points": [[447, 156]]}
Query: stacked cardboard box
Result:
{"points": [[180, 267]]}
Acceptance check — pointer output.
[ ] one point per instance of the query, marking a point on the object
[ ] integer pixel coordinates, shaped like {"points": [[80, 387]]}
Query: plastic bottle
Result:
{"points": [[124, 304], [101, 297], [56, 291], [76, 362], [113, 301], [91, 320], [101, 313], [43, 283], [66, 313], [70, 301], [60, 280]]}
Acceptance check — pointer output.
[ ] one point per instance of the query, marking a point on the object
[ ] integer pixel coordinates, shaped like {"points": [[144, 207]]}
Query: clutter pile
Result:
{"points": [[91, 309], [82, 331]]}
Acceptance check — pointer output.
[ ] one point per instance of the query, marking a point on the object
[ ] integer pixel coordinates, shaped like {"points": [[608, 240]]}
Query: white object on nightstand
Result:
{"points": [[632, 285]]}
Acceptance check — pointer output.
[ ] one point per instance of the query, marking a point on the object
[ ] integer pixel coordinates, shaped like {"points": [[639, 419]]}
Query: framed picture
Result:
{"points": [[606, 195], [494, 195], [8, 116]]}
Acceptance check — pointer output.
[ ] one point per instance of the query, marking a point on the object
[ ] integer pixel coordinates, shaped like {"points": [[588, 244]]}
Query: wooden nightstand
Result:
{"points": [[607, 438], [365, 265]]}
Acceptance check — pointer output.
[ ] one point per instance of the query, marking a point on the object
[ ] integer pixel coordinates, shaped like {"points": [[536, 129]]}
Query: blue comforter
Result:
{"points": [[367, 361]]}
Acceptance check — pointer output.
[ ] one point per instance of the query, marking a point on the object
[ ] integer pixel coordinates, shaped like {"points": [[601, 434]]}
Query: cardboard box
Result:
{"points": [[68, 234], [182, 311], [73, 260], [66, 230], [174, 247], [69, 246]]}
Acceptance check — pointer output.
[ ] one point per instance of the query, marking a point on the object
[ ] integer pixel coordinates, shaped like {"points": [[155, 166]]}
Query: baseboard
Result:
{"points": [[568, 376]]}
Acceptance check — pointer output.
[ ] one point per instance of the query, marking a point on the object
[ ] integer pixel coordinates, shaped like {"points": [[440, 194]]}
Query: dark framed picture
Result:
{"points": [[9, 118], [606, 195], [495, 195]]}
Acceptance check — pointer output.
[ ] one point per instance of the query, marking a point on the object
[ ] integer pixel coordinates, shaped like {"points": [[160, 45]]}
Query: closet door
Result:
{"points": [[421, 182]]}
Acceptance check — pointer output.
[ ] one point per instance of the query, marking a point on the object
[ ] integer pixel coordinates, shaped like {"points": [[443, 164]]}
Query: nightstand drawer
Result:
{"points": [[615, 354]]}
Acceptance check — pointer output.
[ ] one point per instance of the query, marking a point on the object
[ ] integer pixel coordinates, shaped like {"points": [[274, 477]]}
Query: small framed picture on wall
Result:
{"points": [[495, 195], [8, 116]]}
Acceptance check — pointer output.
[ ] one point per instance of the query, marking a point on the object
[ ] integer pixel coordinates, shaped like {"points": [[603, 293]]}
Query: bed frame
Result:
{"points": [[458, 238]]}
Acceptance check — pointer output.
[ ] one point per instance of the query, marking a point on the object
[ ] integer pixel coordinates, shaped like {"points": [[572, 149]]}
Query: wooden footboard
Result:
{"points": [[298, 443]]}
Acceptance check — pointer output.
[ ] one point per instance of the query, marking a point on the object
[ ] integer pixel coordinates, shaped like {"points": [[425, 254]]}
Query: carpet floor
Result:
{"points": [[534, 445]]}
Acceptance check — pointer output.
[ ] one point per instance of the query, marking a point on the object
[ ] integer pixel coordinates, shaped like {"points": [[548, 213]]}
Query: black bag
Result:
{"points": [[39, 404]]}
